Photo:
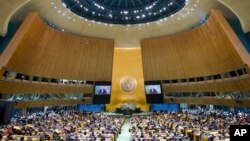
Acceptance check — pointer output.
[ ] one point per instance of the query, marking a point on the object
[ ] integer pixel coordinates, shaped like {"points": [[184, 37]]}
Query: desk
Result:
{"points": [[128, 111]]}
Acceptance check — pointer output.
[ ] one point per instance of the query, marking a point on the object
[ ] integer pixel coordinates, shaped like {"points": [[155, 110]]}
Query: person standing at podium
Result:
{"points": [[152, 90], [102, 90]]}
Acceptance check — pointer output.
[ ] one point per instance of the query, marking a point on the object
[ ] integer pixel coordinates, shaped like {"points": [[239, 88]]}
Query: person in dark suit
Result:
{"points": [[152, 90], [102, 90]]}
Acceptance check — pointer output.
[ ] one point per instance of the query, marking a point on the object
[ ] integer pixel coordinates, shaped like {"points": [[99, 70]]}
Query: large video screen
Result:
{"points": [[102, 89], [153, 89]]}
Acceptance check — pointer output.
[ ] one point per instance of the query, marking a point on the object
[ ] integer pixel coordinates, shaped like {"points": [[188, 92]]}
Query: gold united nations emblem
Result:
{"points": [[128, 84]]}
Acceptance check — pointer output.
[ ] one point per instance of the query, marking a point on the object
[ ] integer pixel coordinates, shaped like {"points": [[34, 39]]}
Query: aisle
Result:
{"points": [[125, 135]]}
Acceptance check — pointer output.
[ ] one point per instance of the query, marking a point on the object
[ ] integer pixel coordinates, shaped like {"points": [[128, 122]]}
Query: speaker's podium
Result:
{"points": [[128, 109]]}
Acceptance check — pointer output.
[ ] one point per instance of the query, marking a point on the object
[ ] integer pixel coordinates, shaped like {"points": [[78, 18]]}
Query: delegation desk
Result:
{"points": [[128, 111], [194, 132]]}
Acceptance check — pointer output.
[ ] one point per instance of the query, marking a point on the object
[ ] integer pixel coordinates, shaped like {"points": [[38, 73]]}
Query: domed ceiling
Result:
{"points": [[124, 11], [127, 36]]}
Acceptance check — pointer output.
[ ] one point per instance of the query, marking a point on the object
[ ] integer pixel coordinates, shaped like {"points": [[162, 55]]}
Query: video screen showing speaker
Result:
{"points": [[153, 92], [153, 89], [102, 92], [102, 89]]}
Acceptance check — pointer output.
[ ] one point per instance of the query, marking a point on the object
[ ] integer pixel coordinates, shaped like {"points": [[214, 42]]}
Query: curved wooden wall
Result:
{"points": [[49, 53], [31, 88], [215, 86], [210, 49], [214, 101], [42, 103], [18, 37]]}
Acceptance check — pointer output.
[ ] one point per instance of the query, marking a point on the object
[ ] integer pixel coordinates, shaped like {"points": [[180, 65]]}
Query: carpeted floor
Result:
{"points": [[125, 134]]}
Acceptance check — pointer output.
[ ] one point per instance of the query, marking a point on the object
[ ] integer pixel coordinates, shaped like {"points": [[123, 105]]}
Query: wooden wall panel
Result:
{"points": [[206, 50], [29, 88], [214, 101], [243, 85], [18, 37], [42, 103], [49, 53], [127, 63]]}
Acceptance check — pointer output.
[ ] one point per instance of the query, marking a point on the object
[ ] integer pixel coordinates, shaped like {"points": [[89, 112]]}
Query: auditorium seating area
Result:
{"points": [[187, 125], [69, 124], [62, 125]]}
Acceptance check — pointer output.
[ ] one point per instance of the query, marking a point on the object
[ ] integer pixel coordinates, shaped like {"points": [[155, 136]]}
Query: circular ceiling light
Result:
{"points": [[124, 12]]}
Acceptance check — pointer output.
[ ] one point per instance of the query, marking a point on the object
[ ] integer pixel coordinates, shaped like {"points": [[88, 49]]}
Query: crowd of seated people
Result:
{"points": [[198, 125], [62, 125], [71, 125]]}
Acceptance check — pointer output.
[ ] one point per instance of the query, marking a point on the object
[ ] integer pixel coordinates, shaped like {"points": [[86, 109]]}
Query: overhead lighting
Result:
{"points": [[107, 13]]}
